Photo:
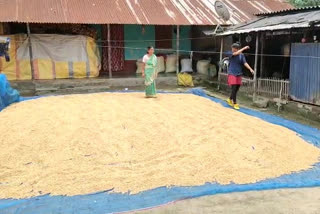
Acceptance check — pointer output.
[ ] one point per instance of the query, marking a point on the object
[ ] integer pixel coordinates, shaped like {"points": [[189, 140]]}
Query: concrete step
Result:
{"points": [[115, 82], [64, 84], [77, 90], [72, 86]]}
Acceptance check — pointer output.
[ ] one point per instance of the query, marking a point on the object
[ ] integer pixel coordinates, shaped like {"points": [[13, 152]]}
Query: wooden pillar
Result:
{"points": [[2, 29], [220, 68], [30, 51], [255, 68], [109, 51], [178, 47], [262, 39], [290, 45]]}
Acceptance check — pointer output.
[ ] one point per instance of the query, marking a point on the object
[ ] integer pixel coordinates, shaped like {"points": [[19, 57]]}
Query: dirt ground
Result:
{"points": [[283, 201]]}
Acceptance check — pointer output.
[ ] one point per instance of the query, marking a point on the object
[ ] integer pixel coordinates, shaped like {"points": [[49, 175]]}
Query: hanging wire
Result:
{"points": [[174, 50], [136, 40]]}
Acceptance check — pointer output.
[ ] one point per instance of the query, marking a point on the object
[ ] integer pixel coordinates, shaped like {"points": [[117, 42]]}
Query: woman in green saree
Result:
{"points": [[149, 72]]}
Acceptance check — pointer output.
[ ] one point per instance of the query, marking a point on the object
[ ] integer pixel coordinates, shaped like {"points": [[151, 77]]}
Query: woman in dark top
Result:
{"points": [[236, 61]]}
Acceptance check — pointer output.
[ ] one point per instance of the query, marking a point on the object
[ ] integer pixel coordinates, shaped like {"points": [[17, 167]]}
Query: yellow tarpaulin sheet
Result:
{"points": [[54, 57], [185, 79]]}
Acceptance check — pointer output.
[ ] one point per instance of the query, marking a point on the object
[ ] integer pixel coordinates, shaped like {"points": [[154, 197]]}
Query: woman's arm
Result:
{"points": [[142, 70], [155, 61], [240, 51], [249, 68]]}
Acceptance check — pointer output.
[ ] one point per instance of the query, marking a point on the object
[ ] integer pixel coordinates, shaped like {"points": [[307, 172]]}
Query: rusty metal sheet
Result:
{"points": [[274, 23], [287, 10], [155, 12], [7, 11], [44, 11]]}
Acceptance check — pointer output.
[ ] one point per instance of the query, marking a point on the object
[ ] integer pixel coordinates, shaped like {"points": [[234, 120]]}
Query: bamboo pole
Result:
{"points": [[178, 47], [30, 51], [262, 58], [255, 68], [109, 51], [259, 86], [220, 68]]}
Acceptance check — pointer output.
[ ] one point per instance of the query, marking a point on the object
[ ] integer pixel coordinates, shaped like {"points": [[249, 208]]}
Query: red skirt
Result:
{"points": [[234, 80]]}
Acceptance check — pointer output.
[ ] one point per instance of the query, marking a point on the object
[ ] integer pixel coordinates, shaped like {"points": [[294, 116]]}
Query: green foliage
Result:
{"points": [[305, 3]]}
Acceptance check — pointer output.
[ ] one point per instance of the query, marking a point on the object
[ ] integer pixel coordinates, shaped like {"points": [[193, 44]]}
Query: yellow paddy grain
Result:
{"points": [[79, 144]]}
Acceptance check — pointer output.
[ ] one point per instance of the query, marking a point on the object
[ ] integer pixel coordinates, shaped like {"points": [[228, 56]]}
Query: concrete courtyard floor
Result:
{"points": [[282, 201]]}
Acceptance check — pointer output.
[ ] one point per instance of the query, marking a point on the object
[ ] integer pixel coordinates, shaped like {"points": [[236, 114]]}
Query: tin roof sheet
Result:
{"points": [[287, 11], [278, 22], [157, 12]]}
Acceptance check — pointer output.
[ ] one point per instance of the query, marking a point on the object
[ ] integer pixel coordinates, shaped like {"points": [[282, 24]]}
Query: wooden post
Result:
{"points": [[262, 39], [178, 47], [109, 51], [255, 68], [220, 68], [259, 85], [30, 51]]}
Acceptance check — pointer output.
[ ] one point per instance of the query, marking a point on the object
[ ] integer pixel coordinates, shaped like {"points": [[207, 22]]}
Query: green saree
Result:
{"points": [[150, 76]]}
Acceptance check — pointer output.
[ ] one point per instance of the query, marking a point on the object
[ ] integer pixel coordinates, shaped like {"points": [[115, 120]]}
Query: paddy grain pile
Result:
{"points": [[80, 144]]}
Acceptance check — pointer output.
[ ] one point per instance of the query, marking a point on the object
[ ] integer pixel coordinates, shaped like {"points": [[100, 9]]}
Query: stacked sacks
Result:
{"points": [[184, 78], [140, 65], [186, 66], [203, 67], [8, 95], [160, 65], [171, 63]]}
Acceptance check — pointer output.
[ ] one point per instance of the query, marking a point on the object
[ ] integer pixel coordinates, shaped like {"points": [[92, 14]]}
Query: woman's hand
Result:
{"points": [[143, 74], [249, 68]]}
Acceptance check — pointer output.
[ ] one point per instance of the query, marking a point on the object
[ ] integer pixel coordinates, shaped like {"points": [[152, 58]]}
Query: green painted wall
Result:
{"points": [[134, 32], [185, 43]]}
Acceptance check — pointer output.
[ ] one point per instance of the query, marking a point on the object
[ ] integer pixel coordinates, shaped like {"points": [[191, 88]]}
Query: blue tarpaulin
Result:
{"points": [[106, 202], [304, 72], [8, 95]]}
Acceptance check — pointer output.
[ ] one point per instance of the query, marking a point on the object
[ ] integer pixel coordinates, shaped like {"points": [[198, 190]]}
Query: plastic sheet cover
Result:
{"points": [[8, 95]]}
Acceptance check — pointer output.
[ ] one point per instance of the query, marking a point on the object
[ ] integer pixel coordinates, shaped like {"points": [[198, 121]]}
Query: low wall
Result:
{"points": [[75, 86]]}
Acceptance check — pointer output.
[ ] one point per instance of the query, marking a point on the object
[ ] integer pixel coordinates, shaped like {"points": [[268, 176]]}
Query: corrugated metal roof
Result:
{"points": [[158, 12], [8, 11], [278, 22], [285, 11]]}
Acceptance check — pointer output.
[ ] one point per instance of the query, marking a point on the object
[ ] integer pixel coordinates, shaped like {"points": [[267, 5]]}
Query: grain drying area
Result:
{"points": [[82, 144]]}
